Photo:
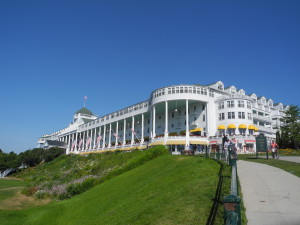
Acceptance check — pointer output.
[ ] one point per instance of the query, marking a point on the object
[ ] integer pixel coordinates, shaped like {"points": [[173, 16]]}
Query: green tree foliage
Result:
{"points": [[290, 130], [53, 153], [30, 158], [9, 160]]}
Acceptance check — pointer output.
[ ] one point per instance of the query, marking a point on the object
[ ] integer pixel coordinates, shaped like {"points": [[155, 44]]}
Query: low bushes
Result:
{"points": [[289, 151]]}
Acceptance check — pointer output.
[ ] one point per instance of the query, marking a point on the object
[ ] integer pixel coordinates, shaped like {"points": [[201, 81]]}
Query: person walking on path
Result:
{"points": [[274, 148]]}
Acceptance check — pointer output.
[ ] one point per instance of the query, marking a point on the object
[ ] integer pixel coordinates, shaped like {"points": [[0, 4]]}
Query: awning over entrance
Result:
{"points": [[251, 127], [242, 126], [196, 130], [221, 127], [231, 126]]}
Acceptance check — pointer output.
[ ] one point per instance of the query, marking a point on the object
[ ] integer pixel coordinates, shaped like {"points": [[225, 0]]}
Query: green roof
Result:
{"points": [[87, 120], [84, 111]]}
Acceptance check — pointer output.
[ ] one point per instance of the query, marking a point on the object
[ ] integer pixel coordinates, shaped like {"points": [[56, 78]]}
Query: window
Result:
{"points": [[195, 118], [203, 107], [230, 104], [241, 104], [195, 108], [248, 105], [241, 115], [249, 116], [231, 115], [211, 94], [203, 118], [172, 114], [221, 105], [221, 116]]}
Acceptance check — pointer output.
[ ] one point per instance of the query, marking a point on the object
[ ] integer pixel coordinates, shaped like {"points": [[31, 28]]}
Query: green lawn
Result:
{"points": [[9, 187], [291, 167], [166, 190]]}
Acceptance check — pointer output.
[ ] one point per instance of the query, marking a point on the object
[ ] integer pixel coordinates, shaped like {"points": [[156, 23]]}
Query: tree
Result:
{"points": [[290, 130]]}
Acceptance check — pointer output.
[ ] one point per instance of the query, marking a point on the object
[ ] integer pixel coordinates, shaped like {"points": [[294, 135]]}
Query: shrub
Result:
{"points": [[41, 194]]}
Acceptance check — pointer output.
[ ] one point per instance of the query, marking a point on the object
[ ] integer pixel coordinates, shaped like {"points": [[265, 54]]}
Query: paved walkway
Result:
{"points": [[271, 195], [290, 158]]}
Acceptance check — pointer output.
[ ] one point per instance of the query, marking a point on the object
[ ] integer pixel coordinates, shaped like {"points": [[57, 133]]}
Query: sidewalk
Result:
{"points": [[271, 195]]}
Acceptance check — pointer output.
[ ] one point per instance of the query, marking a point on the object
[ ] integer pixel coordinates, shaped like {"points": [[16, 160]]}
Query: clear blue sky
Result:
{"points": [[53, 53]]}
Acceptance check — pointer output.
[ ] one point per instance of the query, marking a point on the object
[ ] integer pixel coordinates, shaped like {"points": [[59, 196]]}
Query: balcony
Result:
{"points": [[262, 118]]}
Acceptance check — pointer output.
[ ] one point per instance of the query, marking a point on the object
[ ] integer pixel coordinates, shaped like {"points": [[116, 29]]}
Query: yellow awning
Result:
{"points": [[198, 142], [196, 130], [255, 128], [143, 147], [221, 127], [182, 132], [251, 127], [176, 142], [231, 126], [156, 143], [242, 126]]}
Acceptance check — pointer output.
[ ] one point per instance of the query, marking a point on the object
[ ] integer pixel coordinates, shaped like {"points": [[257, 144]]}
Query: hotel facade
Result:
{"points": [[183, 117]]}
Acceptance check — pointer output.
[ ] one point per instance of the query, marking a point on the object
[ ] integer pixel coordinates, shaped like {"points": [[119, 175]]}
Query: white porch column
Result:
{"points": [[166, 121], [132, 131], [69, 146], [76, 143], [83, 143], [104, 134], [98, 145], [95, 136], [142, 137], [109, 137], [91, 142], [124, 133], [187, 131], [153, 121], [117, 131]]}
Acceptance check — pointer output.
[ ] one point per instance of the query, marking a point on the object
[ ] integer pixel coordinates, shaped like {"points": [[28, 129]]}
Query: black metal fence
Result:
{"points": [[231, 202]]}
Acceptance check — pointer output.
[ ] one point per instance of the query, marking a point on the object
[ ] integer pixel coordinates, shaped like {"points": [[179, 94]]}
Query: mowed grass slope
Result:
{"points": [[165, 190]]}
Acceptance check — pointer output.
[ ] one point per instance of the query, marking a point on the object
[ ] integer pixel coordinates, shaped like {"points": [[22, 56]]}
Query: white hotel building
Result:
{"points": [[182, 117]]}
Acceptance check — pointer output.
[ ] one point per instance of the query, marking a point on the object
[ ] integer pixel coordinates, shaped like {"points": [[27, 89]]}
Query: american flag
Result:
{"points": [[99, 138], [116, 135], [88, 142], [85, 98], [80, 143], [73, 144]]}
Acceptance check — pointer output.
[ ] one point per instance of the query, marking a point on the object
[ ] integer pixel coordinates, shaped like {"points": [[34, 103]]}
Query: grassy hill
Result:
{"points": [[69, 175], [166, 190]]}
